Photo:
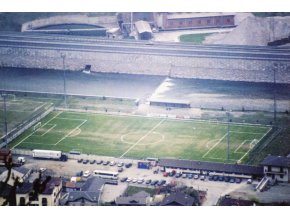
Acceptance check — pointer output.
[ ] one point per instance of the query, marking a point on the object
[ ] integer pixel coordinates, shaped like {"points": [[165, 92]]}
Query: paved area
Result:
{"points": [[110, 192]]}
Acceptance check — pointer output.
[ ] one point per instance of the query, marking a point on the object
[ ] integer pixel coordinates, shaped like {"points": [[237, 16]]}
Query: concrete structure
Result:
{"points": [[169, 103], [277, 168], [185, 61], [143, 30], [177, 21]]}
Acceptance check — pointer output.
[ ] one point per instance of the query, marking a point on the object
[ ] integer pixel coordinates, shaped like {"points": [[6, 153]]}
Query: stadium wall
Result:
{"points": [[182, 67]]}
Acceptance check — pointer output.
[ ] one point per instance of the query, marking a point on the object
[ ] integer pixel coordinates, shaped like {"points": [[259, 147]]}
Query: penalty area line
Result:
{"points": [[33, 132]]}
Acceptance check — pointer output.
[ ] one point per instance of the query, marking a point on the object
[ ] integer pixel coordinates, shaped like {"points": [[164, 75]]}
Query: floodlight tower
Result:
{"points": [[64, 79], [4, 95], [228, 136]]}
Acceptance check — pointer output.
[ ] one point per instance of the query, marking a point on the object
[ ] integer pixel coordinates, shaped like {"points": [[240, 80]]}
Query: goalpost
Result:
{"points": [[253, 143], [36, 126]]}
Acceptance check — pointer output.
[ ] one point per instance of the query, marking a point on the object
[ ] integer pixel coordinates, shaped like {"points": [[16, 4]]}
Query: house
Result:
{"points": [[141, 198], [5, 156], [89, 194], [43, 192], [143, 30], [190, 20], [178, 199], [21, 173], [276, 168]]}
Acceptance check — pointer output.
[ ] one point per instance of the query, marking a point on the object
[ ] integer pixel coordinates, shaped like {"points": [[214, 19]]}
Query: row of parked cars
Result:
{"points": [[142, 181], [105, 163], [175, 174]]}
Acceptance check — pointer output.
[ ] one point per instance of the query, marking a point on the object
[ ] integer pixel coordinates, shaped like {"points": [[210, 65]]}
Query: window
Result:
{"points": [[218, 21], [22, 201], [44, 201], [199, 21], [190, 22], [281, 176], [208, 21], [180, 22], [171, 23], [228, 20]]}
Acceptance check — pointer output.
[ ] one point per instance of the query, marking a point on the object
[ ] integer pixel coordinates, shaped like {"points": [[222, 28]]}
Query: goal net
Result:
{"points": [[36, 126], [253, 143]]}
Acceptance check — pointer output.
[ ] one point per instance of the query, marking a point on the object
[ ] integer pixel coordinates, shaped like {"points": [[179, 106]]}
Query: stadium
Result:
{"points": [[111, 115]]}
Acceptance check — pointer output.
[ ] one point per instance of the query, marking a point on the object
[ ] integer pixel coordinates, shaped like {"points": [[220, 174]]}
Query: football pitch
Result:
{"points": [[141, 137]]}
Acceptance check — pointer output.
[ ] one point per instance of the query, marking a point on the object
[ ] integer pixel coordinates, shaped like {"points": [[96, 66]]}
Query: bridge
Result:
{"points": [[224, 62]]}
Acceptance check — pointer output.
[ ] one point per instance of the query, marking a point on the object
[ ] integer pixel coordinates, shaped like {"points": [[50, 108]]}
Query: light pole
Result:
{"points": [[4, 95], [228, 136], [274, 92], [64, 79]]}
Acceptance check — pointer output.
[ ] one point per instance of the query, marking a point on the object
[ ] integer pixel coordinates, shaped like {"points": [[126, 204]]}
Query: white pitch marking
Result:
{"points": [[144, 136], [54, 125], [256, 143], [214, 145], [71, 132], [240, 146], [33, 132]]}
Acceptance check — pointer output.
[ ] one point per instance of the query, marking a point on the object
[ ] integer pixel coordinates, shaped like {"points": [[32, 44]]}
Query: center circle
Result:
{"points": [[127, 138]]}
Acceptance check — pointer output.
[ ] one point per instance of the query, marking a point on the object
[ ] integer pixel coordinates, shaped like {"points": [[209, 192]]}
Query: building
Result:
{"points": [[177, 21], [276, 168], [236, 170], [5, 156], [143, 30], [169, 103], [178, 199], [141, 198], [45, 193], [21, 173], [88, 195]]}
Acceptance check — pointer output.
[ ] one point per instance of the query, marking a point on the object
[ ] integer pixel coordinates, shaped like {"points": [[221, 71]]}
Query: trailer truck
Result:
{"points": [[49, 154]]}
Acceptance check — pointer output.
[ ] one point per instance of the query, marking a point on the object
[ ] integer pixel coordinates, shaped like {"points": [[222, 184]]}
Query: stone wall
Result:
{"points": [[184, 67]]}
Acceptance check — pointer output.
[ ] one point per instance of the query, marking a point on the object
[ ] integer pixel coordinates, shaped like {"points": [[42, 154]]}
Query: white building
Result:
{"points": [[277, 168]]}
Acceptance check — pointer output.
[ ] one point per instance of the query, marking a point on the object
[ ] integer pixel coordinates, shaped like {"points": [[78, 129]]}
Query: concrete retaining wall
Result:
{"points": [[183, 67]]}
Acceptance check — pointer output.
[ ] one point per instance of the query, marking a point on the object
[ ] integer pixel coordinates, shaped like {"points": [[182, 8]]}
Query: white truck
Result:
{"points": [[49, 154]]}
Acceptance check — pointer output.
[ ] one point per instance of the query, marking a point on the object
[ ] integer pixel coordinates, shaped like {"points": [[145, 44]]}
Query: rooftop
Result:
{"points": [[276, 161], [93, 184], [143, 26], [196, 15], [178, 198], [212, 166], [139, 199]]}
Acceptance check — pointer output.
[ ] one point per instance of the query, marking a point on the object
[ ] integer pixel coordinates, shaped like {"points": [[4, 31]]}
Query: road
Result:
{"points": [[90, 44]]}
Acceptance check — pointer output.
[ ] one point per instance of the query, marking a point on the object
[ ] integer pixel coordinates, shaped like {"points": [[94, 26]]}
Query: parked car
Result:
{"points": [[85, 161], [134, 180], [129, 179], [177, 175], [210, 178], [140, 181], [202, 177], [238, 180], [165, 174], [154, 182], [221, 178], [124, 179], [148, 181], [80, 160], [112, 163], [215, 178], [105, 163], [120, 169], [190, 176], [128, 165], [92, 161], [79, 174], [99, 162], [121, 164], [227, 179], [163, 182], [184, 175], [41, 169], [249, 181], [87, 173], [196, 176], [232, 180], [172, 173]]}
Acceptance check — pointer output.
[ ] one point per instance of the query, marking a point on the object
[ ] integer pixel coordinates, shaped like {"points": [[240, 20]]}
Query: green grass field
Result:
{"points": [[141, 137], [194, 38]]}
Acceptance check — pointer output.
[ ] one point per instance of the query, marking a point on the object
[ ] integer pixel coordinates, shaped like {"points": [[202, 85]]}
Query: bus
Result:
{"points": [[106, 174]]}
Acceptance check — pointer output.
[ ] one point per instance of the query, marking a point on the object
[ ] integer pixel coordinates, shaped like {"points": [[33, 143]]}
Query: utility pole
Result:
{"points": [[4, 95], [64, 79], [275, 102], [228, 137], [132, 22]]}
